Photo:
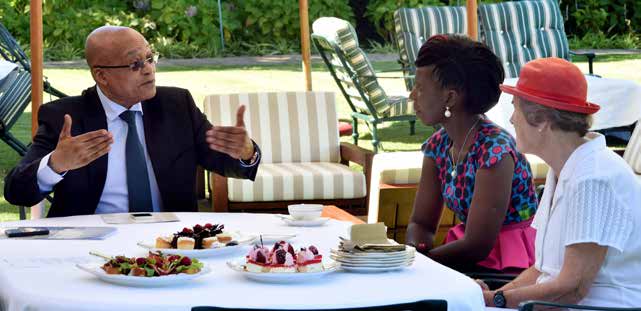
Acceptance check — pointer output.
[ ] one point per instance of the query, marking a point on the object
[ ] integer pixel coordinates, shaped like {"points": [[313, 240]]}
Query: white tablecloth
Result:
{"points": [[620, 102], [28, 282]]}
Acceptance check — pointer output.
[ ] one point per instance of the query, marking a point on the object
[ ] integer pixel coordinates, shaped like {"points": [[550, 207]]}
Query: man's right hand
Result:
{"points": [[75, 152]]}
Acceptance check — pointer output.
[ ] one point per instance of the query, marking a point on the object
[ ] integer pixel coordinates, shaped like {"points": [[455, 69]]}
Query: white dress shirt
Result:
{"points": [[114, 198], [597, 199]]}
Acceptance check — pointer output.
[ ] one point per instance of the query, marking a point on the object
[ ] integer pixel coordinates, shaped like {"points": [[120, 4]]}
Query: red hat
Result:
{"points": [[555, 83]]}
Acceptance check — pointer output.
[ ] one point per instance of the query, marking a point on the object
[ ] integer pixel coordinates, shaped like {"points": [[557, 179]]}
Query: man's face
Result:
{"points": [[125, 85]]}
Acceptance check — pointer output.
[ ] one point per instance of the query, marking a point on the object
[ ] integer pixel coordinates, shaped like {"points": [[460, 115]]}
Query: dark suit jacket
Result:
{"points": [[175, 136]]}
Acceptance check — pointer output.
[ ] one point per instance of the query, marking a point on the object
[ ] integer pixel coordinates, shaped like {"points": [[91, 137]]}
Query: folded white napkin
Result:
{"points": [[370, 238]]}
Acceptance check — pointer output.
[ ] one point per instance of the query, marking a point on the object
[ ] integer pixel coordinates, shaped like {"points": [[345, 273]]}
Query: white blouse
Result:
{"points": [[597, 199]]}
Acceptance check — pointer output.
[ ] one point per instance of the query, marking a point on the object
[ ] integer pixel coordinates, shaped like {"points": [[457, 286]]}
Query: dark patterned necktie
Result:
{"points": [[137, 178]]}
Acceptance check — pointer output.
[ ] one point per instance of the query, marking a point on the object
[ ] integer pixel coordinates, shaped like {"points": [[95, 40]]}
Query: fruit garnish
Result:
{"points": [[313, 249]]}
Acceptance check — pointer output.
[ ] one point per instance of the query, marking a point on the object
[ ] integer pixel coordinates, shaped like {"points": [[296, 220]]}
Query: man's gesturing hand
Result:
{"points": [[232, 140], [75, 152]]}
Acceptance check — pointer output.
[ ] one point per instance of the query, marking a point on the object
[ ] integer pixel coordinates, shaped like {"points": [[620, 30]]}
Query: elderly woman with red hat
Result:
{"points": [[588, 223], [471, 165]]}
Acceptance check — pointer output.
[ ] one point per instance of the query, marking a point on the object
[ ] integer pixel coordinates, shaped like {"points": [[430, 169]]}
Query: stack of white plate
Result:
{"points": [[374, 261]]}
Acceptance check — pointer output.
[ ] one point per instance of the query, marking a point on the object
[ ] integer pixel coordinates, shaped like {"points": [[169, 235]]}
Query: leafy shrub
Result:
{"points": [[278, 22], [607, 16], [599, 40]]}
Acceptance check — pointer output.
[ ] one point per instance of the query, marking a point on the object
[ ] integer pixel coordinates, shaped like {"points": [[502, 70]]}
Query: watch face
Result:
{"points": [[499, 300]]}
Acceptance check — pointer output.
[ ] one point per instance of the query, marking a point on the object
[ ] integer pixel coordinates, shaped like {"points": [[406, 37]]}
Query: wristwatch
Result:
{"points": [[499, 299]]}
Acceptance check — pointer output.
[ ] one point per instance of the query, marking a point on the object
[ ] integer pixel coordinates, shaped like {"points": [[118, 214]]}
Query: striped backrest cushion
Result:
{"points": [[288, 126], [342, 33], [632, 153], [519, 32], [413, 26]]}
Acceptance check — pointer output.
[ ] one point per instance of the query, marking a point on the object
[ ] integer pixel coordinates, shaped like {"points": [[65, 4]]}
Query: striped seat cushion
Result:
{"points": [[519, 32], [399, 106], [298, 181], [342, 33], [288, 126], [413, 26], [632, 153]]}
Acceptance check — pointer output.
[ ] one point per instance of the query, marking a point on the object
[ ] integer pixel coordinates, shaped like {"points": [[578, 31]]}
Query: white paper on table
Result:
{"points": [[125, 218]]}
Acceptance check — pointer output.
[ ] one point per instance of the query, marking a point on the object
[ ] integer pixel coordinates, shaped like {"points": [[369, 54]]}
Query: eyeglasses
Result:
{"points": [[135, 66]]}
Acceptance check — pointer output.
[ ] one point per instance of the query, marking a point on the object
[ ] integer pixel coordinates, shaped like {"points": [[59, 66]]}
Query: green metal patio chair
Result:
{"points": [[11, 51], [422, 305], [336, 41], [413, 26], [520, 31], [15, 95]]}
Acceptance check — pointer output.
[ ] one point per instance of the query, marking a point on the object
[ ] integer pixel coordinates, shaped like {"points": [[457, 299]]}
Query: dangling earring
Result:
{"points": [[447, 113]]}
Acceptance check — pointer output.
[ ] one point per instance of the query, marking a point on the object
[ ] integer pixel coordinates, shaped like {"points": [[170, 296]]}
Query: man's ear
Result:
{"points": [[99, 76]]}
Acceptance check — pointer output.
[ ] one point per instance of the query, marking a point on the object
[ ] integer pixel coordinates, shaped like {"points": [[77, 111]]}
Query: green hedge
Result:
{"points": [[189, 28], [177, 28]]}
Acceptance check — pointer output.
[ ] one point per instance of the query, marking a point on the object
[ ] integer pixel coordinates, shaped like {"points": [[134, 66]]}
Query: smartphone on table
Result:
{"points": [[26, 231], [141, 216]]}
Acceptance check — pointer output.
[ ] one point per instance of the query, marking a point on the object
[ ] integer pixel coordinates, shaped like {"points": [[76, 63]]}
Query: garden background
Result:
{"points": [[190, 28]]}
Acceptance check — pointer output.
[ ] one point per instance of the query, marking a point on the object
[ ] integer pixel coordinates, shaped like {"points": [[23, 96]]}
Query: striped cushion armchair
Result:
{"points": [[336, 41], [518, 32], [413, 26], [302, 158]]}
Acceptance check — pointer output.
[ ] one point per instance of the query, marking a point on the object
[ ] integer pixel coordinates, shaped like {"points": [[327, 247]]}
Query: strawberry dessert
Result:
{"points": [[309, 260], [257, 259], [282, 258]]}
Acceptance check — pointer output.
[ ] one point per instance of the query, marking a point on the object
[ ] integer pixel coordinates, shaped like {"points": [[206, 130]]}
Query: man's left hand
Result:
{"points": [[232, 140]]}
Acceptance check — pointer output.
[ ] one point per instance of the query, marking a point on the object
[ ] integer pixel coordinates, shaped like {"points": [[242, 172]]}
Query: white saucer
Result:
{"points": [[304, 223]]}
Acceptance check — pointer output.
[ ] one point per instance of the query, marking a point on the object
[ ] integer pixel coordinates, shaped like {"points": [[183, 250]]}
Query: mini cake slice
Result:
{"points": [[209, 242], [257, 260], [282, 262], [163, 242], [185, 243], [224, 238], [308, 260]]}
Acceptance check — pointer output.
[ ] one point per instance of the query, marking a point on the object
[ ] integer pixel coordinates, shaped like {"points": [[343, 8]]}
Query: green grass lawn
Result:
{"points": [[202, 81]]}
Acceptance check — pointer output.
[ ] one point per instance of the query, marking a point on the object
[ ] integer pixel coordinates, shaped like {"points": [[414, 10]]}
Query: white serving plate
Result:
{"points": [[243, 241], [238, 265], [138, 281]]}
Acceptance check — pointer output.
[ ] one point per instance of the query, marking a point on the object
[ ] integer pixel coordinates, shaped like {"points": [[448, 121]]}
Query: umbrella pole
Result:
{"points": [[304, 42], [37, 87], [472, 19], [36, 62]]}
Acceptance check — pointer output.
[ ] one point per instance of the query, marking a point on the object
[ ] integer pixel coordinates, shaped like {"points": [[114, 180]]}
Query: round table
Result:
{"points": [[41, 274]]}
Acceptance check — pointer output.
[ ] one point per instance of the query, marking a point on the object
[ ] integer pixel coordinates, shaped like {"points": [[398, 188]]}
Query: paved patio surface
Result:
{"points": [[227, 61]]}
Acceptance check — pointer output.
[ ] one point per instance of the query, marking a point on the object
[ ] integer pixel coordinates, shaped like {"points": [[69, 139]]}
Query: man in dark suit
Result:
{"points": [[125, 145]]}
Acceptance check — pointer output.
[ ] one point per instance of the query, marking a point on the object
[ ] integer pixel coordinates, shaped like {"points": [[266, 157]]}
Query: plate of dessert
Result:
{"points": [[282, 264], [156, 269], [200, 241]]}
